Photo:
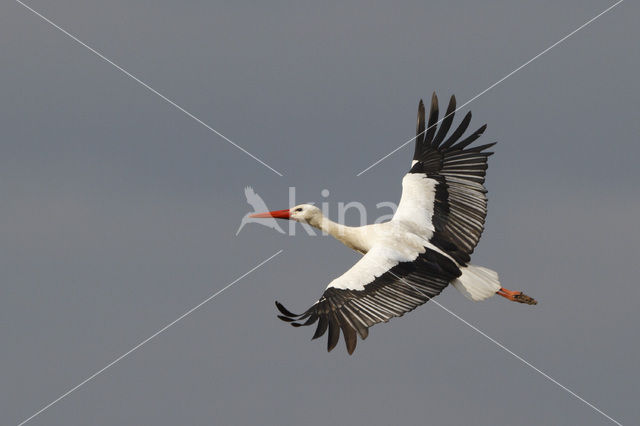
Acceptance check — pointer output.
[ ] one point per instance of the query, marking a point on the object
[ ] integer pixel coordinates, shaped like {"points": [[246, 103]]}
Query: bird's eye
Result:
{"points": [[299, 209]]}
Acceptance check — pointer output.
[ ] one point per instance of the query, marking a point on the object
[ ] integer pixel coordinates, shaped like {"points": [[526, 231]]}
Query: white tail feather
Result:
{"points": [[477, 283]]}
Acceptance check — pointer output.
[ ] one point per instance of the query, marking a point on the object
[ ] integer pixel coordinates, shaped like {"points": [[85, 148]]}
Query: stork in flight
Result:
{"points": [[422, 249]]}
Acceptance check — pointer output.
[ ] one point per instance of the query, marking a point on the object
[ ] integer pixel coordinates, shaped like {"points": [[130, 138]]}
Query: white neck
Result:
{"points": [[347, 235]]}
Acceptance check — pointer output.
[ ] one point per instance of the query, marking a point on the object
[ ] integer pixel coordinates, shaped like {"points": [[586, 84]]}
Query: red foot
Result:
{"points": [[516, 296]]}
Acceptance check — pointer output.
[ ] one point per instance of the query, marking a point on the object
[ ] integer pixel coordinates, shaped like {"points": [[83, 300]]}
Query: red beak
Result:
{"points": [[278, 214]]}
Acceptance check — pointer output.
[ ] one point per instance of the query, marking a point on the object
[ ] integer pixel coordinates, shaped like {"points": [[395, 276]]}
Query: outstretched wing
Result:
{"points": [[385, 283], [443, 193]]}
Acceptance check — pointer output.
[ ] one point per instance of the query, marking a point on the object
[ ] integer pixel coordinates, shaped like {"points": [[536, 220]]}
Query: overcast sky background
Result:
{"points": [[119, 212]]}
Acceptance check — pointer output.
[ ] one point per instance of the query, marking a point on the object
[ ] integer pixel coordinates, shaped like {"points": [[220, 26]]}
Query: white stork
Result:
{"points": [[423, 248]]}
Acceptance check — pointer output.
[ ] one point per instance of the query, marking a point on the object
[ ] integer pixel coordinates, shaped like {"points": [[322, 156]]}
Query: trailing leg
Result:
{"points": [[516, 296]]}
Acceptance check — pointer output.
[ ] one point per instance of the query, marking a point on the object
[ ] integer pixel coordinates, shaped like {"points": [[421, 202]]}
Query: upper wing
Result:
{"points": [[444, 192], [384, 284]]}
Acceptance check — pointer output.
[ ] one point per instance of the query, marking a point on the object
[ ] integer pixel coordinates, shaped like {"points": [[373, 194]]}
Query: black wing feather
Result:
{"points": [[323, 323], [401, 289], [284, 310], [460, 202], [462, 127], [334, 332], [433, 119], [419, 131], [446, 122]]}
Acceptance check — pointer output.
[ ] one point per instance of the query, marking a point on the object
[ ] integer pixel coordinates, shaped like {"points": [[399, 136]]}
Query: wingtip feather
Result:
{"points": [[284, 310], [334, 333], [434, 101]]}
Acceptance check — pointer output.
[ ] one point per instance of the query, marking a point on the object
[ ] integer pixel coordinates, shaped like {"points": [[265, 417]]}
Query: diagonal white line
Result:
{"points": [[509, 351], [145, 341], [524, 361], [494, 84], [146, 86]]}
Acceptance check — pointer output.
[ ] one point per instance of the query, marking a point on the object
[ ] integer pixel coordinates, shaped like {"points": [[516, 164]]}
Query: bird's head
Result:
{"points": [[304, 213]]}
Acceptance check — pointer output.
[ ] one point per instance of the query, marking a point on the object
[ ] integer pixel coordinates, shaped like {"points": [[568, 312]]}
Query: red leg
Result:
{"points": [[516, 296]]}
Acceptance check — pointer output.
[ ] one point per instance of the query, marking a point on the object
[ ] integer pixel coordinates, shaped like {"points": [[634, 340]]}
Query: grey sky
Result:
{"points": [[119, 212]]}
